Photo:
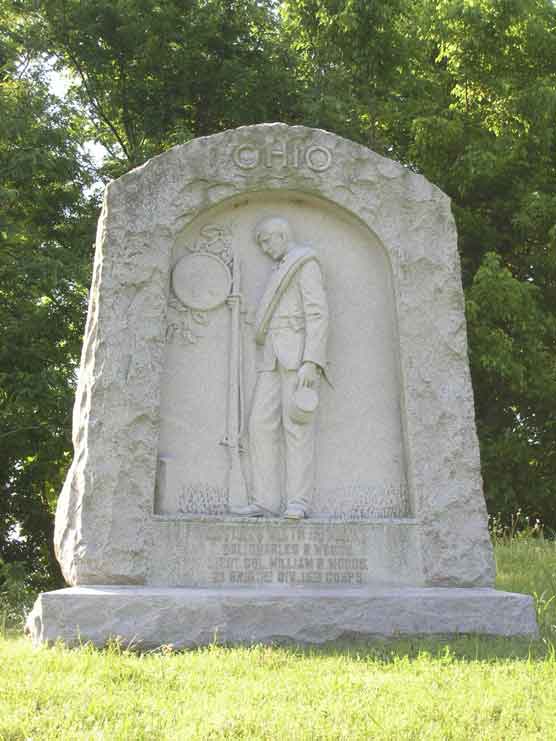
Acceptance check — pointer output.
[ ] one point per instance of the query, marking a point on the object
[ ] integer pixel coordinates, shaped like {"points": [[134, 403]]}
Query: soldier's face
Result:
{"points": [[273, 242]]}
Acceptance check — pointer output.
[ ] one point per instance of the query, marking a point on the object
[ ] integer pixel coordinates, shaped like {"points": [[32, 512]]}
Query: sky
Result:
{"points": [[59, 83]]}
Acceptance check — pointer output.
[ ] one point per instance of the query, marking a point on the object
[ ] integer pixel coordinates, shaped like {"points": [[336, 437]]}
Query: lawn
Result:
{"points": [[465, 688]]}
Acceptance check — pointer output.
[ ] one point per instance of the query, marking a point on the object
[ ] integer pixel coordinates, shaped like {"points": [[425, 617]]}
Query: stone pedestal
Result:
{"points": [[186, 617]]}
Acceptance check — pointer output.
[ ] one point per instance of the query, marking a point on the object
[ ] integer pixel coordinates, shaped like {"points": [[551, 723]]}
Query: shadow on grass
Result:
{"points": [[465, 648], [387, 650]]}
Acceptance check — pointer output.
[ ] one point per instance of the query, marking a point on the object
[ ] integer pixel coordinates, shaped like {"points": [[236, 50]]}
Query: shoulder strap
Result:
{"points": [[279, 281]]}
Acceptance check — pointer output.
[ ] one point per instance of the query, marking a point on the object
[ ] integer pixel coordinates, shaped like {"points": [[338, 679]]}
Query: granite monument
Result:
{"points": [[274, 433]]}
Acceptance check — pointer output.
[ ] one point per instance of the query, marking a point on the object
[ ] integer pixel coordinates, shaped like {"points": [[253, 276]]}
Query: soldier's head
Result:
{"points": [[274, 236]]}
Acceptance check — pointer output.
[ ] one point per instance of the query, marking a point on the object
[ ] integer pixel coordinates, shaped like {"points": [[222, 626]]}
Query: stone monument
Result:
{"points": [[274, 428]]}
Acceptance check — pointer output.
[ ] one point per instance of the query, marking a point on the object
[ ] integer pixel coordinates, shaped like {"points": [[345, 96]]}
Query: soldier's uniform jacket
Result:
{"points": [[292, 318]]}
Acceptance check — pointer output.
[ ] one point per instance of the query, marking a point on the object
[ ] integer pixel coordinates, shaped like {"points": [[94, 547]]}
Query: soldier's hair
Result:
{"points": [[274, 223]]}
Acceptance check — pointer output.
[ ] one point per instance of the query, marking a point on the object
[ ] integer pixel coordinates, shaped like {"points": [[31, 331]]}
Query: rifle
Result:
{"points": [[237, 490]]}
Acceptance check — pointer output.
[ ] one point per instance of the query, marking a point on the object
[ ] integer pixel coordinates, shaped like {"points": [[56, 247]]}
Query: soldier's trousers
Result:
{"points": [[273, 436]]}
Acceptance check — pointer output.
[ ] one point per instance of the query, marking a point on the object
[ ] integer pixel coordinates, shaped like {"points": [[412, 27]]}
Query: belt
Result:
{"points": [[285, 323]]}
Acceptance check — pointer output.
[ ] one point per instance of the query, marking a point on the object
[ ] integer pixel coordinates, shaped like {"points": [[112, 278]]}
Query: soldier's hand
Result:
{"points": [[308, 375]]}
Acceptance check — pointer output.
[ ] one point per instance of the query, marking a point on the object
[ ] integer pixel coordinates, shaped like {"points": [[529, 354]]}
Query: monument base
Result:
{"points": [[148, 617]]}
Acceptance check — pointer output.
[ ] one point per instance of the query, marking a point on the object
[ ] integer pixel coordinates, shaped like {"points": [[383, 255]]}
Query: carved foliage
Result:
{"points": [[183, 322]]}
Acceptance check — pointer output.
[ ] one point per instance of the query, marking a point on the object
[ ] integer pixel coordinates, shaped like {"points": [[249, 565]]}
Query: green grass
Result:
{"points": [[466, 688], [529, 566]]}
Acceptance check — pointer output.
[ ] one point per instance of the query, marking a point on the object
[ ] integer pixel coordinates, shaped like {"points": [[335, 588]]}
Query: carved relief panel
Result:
{"points": [[219, 276]]}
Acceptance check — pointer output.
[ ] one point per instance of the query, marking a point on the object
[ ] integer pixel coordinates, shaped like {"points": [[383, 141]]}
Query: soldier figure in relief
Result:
{"points": [[292, 328]]}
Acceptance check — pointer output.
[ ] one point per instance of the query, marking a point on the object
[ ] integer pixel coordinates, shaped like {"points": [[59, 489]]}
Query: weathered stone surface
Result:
{"points": [[363, 310], [148, 617], [415, 420], [235, 552]]}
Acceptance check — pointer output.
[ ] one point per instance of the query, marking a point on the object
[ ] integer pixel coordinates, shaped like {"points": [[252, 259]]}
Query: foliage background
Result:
{"points": [[463, 91]]}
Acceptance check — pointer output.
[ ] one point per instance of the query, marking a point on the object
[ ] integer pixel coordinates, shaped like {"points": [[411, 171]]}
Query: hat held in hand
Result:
{"points": [[303, 405]]}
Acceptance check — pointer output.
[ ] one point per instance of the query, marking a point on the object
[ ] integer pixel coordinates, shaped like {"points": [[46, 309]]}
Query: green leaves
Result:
{"points": [[152, 75], [512, 341], [46, 233]]}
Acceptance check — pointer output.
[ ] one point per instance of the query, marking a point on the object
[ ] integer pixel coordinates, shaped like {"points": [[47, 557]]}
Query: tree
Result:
{"points": [[355, 57], [46, 233], [151, 74]]}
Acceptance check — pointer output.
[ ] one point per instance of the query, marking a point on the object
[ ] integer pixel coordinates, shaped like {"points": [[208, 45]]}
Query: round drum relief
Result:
{"points": [[201, 281]]}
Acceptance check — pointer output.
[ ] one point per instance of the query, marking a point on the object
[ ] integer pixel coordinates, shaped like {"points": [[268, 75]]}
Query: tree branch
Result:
{"points": [[96, 104]]}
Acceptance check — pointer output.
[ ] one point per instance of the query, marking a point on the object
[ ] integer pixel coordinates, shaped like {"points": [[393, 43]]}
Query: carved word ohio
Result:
{"points": [[316, 157]]}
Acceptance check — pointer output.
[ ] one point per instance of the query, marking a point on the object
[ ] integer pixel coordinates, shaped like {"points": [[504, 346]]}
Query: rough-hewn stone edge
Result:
{"points": [[149, 617]]}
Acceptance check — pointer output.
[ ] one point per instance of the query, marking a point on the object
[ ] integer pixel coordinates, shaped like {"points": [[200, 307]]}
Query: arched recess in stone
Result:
{"points": [[361, 470]]}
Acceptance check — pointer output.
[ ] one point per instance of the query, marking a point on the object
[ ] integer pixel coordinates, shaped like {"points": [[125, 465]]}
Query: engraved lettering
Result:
{"points": [[277, 154], [309, 555], [318, 158], [246, 156], [272, 152]]}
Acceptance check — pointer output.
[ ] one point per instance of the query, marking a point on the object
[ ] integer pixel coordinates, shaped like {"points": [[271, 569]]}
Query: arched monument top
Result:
{"points": [[173, 187]]}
